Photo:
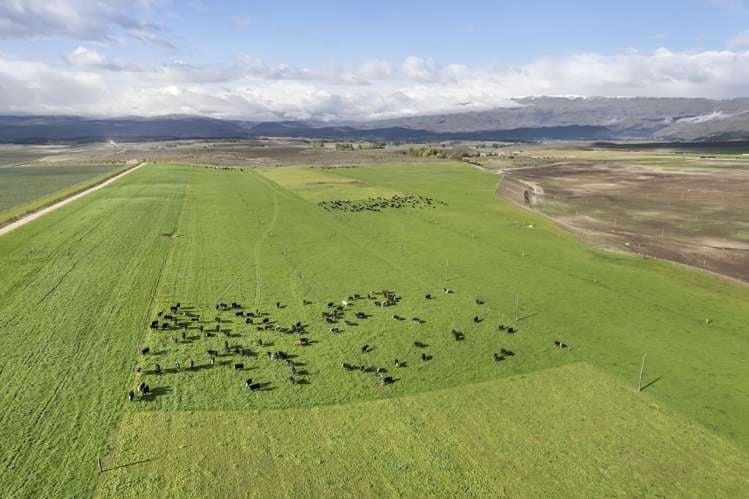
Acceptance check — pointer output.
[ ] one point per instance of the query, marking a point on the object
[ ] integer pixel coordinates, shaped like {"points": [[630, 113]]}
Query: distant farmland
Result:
{"points": [[24, 187], [79, 287]]}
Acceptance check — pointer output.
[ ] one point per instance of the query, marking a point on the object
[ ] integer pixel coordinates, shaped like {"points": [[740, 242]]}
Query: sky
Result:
{"points": [[343, 61]]}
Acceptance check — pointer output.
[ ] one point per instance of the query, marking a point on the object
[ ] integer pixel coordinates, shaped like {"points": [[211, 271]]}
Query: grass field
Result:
{"points": [[22, 188], [512, 437], [79, 286]]}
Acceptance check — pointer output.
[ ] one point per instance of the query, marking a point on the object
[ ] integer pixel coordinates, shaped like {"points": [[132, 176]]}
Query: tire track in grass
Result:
{"points": [[342, 230], [259, 251]]}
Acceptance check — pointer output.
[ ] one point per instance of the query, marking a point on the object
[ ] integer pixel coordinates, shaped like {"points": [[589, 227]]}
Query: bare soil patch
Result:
{"points": [[697, 217]]}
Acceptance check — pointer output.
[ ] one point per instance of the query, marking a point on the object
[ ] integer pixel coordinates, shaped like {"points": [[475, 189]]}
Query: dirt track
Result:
{"points": [[37, 214]]}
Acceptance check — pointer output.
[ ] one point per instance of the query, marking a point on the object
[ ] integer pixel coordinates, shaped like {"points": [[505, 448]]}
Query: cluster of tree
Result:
{"points": [[348, 146], [444, 153]]}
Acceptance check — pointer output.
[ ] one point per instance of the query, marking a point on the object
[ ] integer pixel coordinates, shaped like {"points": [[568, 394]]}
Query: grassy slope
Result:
{"points": [[28, 188], [74, 293], [242, 237], [571, 430]]}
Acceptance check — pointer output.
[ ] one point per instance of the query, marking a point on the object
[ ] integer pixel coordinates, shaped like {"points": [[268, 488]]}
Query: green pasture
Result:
{"points": [[79, 287], [569, 431]]}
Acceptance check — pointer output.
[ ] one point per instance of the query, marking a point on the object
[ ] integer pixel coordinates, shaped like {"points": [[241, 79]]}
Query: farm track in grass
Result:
{"points": [[553, 430], [168, 234]]}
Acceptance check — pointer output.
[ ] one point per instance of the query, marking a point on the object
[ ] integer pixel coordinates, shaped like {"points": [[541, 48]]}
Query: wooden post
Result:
{"points": [[98, 461], [517, 306], [447, 268], [642, 374]]}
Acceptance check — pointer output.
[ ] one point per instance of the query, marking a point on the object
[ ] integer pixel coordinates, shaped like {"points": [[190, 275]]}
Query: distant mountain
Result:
{"points": [[40, 129], [531, 118], [623, 118]]}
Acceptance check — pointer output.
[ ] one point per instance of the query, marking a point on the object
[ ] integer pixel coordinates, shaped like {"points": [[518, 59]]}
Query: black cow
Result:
{"points": [[386, 380], [238, 366], [130, 395], [419, 344], [157, 369], [498, 358], [292, 380], [559, 344], [458, 335], [506, 353], [365, 349]]}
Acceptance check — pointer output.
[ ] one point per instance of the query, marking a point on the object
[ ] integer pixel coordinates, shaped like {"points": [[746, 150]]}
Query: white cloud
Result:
{"points": [[740, 41], [85, 20], [241, 23], [85, 81]]}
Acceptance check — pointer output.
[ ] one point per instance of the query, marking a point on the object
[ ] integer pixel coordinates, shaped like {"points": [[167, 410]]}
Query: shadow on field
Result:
{"points": [[652, 382]]}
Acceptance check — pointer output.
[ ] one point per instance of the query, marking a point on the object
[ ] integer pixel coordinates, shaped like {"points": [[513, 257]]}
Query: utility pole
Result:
{"points": [[642, 374]]}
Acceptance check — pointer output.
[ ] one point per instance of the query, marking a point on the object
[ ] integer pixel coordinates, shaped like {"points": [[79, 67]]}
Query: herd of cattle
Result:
{"points": [[380, 203], [179, 320]]}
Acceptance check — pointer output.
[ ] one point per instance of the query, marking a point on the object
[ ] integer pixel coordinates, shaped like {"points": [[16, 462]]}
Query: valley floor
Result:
{"points": [[79, 287]]}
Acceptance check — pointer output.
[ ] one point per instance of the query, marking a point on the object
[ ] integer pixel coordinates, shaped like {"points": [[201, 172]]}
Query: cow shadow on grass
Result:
{"points": [[154, 393]]}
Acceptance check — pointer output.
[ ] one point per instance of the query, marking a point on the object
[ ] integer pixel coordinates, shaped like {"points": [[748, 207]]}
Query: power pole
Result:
{"points": [[642, 374]]}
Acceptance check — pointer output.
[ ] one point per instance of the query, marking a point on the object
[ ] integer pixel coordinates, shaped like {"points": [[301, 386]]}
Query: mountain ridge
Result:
{"points": [[534, 118]]}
